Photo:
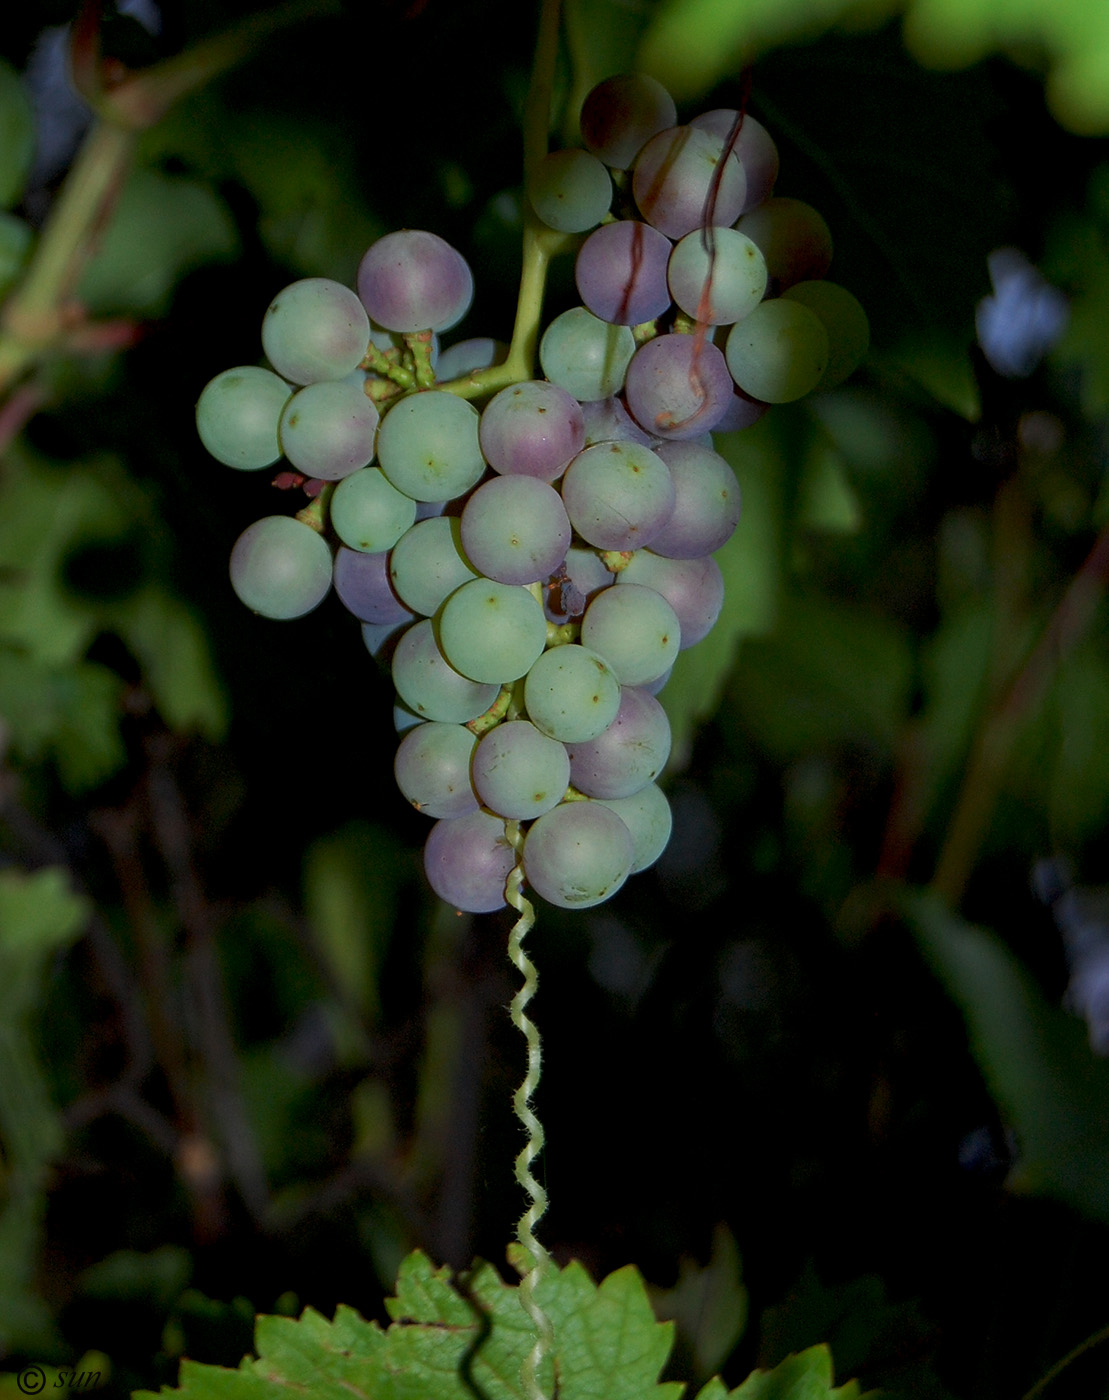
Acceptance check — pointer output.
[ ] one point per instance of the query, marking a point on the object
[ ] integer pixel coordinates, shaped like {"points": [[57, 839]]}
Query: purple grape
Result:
{"points": [[742, 412], [631, 753], [706, 502], [580, 578], [676, 184], [468, 860], [620, 115], [678, 386], [795, 240], [532, 429], [515, 529], [365, 589], [617, 495], [621, 273], [754, 146], [608, 420], [413, 281], [432, 769]]}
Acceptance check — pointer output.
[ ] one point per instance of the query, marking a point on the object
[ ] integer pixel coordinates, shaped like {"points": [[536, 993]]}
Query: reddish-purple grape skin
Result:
{"points": [[532, 429], [706, 502], [364, 587], [621, 273], [608, 420], [742, 412], [678, 186], [432, 769], [620, 115], [694, 588], [795, 240], [678, 386], [579, 579], [412, 280], [631, 752], [515, 529], [468, 860], [754, 146], [617, 495]]}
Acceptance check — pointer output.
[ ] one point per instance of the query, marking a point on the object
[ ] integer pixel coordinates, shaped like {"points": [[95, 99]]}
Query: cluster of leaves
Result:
{"points": [[447, 1345]]}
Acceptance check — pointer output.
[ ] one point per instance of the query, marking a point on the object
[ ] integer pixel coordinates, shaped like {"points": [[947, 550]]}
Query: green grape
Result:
{"points": [[369, 513], [237, 417], [577, 855], [315, 329], [647, 816], [428, 447], [845, 321], [492, 631], [778, 352], [570, 191], [281, 567], [636, 631], [571, 694], [585, 355], [327, 429], [428, 563]]}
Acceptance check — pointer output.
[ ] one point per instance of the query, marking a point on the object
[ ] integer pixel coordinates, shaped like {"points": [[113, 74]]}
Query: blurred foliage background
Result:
{"points": [[833, 1071]]}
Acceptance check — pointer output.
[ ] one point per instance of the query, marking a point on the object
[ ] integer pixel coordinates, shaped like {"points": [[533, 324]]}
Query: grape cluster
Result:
{"points": [[531, 570]]}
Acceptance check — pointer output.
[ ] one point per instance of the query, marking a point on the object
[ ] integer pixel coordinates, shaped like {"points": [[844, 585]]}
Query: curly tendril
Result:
{"points": [[537, 1256]]}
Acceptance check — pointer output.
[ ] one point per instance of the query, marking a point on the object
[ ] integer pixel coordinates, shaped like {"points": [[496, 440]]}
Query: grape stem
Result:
{"points": [[540, 242]]}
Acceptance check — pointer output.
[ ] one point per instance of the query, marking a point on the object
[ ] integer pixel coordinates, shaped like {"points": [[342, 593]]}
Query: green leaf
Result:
{"points": [[17, 135], [834, 672], [709, 1304], [38, 914], [163, 227], [602, 36], [170, 643], [15, 244], [442, 1345], [69, 713], [352, 881], [1035, 1058], [805, 1376], [1077, 259], [693, 44], [826, 499]]}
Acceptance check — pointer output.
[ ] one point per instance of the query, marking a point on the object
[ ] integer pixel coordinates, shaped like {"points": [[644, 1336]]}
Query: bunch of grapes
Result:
{"points": [[531, 570]]}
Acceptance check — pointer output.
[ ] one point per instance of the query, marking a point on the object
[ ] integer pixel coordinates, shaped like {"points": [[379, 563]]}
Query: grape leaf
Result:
{"points": [[693, 44], [1035, 1058], [444, 1344], [17, 135], [805, 1376]]}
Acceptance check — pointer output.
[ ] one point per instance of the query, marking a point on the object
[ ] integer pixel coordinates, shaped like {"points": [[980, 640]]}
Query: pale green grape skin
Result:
{"points": [[327, 429], [368, 513], [570, 191], [518, 772], [585, 355], [429, 685], [635, 629], [315, 329], [492, 632], [428, 563], [237, 417], [428, 446], [571, 694], [577, 855], [280, 567], [647, 816], [779, 352]]}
